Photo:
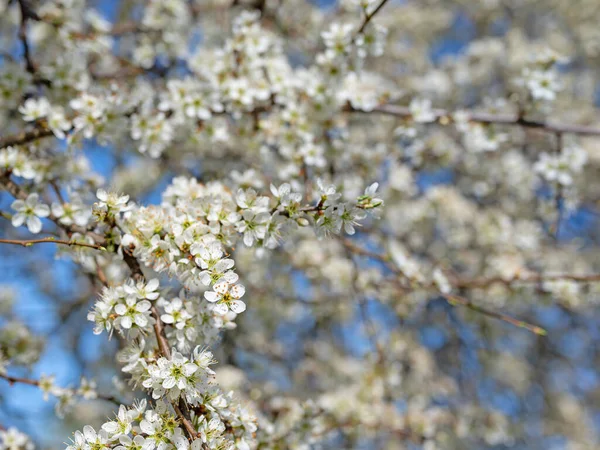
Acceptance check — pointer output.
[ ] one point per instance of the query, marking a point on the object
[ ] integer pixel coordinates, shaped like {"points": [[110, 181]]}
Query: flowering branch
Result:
{"points": [[17, 192], [161, 338], [278, 156]]}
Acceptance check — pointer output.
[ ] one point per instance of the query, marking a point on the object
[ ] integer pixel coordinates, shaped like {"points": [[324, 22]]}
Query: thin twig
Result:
{"points": [[536, 278], [368, 17], [50, 240], [445, 116], [12, 380], [458, 300], [452, 299], [186, 422]]}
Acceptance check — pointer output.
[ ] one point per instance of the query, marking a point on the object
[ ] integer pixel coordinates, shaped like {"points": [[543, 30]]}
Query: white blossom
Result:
{"points": [[29, 211]]}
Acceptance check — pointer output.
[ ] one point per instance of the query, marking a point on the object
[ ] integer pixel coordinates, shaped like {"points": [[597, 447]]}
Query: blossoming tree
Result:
{"points": [[315, 165]]}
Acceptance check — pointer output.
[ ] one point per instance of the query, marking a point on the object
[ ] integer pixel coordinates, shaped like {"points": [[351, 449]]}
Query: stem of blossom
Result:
{"points": [[159, 330], [50, 240], [57, 191]]}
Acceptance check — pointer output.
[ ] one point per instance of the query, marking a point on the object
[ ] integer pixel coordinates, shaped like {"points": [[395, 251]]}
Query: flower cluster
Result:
{"points": [[541, 78], [35, 109], [18, 345], [158, 428], [561, 168], [13, 439], [180, 377], [125, 308]]}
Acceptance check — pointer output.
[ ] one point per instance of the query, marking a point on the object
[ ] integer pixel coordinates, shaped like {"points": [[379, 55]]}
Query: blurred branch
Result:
{"points": [[483, 282], [24, 137], [450, 298], [458, 300], [12, 380], [444, 117], [27, 12], [368, 17]]}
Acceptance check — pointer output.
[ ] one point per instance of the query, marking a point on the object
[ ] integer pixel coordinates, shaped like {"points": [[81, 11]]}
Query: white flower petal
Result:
{"points": [[34, 224], [237, 306]]}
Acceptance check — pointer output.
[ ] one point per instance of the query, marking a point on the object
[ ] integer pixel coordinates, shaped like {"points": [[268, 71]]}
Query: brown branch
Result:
{"points": [[12, 380], [159, 330], [458, 300], [559, 197], [483, 282], [189, 427], [450, 298], [50, 240], [444, 116], [368, 17], [480, 283], [24, 137], [27, 13]]}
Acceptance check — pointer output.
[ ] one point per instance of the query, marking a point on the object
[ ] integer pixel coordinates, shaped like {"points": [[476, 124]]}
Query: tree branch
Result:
{"points": [[50, 240], [445, 116], [24, 137], [458, 300], [368, 17], [12, 380], [450, 298]]}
